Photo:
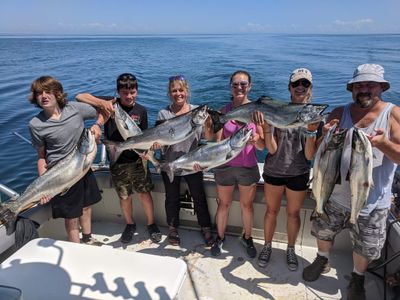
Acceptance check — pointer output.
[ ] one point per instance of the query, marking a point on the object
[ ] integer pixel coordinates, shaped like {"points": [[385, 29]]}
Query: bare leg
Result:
{"points": [[225, 194], [360, 262], [246, 195], [72, 228], [294, 202], [126, 207], [147, 204], [86, 220], [273, 195]]}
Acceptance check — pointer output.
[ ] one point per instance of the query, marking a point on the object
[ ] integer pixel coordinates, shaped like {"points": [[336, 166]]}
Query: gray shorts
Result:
{"points": [[367, 236], [130, 177], [227, 175]]}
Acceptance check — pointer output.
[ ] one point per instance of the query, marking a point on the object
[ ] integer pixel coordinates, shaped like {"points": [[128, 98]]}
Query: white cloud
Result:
{"points": [[355, 24], [254, 27]]}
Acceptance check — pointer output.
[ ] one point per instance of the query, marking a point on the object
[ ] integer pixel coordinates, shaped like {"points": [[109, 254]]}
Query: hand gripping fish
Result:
{"points": [[58, 179], [170, 132], [326, 168], [276, 113], [360, 172], [210, 155]]}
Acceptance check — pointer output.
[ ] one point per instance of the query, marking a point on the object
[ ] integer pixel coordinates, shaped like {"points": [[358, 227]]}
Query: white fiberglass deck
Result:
{"points": [[234, 276]]}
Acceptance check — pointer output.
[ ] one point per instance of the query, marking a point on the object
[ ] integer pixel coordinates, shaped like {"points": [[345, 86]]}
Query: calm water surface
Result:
{"points": [[91, 64]]}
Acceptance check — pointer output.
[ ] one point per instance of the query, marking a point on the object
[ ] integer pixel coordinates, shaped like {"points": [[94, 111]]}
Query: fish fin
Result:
{"points": [[264, 98], [112, 150], [64, 191], [216, 120]]}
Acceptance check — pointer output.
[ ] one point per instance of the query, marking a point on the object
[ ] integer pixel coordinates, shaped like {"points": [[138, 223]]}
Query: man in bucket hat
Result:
{"points": [[380, 120]]}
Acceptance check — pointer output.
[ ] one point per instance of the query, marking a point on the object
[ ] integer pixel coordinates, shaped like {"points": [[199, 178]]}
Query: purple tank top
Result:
{"points": [[247, 157]]}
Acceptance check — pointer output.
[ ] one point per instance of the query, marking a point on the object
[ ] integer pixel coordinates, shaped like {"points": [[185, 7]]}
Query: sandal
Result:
{"points": [[207, 236], [173, 237]]}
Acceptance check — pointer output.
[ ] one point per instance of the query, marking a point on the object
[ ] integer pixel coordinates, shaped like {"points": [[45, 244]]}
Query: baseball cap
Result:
{"points": [[301, 73]]}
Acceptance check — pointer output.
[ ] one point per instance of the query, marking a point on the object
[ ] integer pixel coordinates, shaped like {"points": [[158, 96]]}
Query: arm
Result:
{"points": [[389, 146], [104, 105], [311, 141], [267, 132], [41, 163]]}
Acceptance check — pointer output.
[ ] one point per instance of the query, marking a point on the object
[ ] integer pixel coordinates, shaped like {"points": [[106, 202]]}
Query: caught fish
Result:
{"points": [[360, 172], [58, 179], [126, 126], [170, 132], [326, 168], [210, 155], [277, 113]]}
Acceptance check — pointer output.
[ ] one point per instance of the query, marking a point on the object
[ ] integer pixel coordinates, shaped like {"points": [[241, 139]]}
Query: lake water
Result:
{"points": [[91, 64]]}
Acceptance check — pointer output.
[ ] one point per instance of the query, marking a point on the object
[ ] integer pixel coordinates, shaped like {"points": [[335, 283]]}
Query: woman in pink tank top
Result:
{"points": [[241, 171]]}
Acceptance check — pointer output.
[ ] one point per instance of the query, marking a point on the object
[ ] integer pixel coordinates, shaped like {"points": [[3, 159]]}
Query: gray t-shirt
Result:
{"points": [[59, 137], [170, 153], [289, 159]]}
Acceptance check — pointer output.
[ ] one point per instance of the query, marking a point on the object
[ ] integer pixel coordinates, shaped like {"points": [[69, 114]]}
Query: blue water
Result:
{"points": [[91, 64]]}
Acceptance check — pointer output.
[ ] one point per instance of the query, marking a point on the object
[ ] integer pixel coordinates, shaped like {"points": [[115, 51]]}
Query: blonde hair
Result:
{"points": [[182, 82]]}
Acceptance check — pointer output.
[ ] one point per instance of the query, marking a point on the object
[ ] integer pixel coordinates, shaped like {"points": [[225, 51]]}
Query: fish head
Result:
{"points": [[312, 113], [241, 137], [86, 143], [199, 115]]}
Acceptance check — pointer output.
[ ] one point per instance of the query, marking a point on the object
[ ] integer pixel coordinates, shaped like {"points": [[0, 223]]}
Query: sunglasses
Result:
{"points": [[242, 84], [304, 82], [177, 77], [126, 76]]}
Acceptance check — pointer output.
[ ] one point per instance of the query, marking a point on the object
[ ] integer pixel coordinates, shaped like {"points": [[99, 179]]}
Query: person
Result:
{"points": [[380, 121], [55, 132], [179, 93], [128, 173], [287, 169], [241, 171]]}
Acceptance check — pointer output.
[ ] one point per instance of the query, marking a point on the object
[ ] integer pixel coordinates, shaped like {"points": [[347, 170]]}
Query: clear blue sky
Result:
{"points": [[108, 17]]}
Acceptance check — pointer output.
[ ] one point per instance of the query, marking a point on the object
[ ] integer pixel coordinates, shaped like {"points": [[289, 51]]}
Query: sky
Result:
{"points": [[142, 17]]}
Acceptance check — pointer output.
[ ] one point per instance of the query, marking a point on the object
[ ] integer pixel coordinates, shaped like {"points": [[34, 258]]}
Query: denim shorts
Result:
{"points": [[367, 235], [228, 176], [130, 177], [295, 183]]}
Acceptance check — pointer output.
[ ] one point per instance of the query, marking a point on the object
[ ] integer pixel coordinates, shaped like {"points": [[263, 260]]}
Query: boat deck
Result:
{"points": [[232, 275]]}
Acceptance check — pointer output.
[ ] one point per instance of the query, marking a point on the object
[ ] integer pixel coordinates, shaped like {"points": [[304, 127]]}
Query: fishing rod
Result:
{"points": [[22, 138]]}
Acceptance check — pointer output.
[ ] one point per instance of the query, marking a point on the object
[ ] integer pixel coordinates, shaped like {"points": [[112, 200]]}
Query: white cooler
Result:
{"points": [[50, 269]]}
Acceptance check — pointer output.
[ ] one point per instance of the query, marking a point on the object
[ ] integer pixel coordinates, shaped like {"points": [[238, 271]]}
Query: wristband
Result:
{"points": [[311, 133]]}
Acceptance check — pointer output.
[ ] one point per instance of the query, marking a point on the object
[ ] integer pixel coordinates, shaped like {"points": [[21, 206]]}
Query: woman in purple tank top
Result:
{"points": [[241, 171]]}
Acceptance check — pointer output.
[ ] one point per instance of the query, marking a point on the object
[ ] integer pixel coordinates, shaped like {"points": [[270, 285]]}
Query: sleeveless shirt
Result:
{"points": [[383, 168]]}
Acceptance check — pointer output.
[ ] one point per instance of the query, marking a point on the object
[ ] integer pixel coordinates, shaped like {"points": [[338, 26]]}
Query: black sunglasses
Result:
{"points": [[126, 76], [303, 82]]}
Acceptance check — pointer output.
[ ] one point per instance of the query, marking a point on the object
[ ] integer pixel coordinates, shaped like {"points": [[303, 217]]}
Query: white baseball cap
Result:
{"points": [[301, 73]]}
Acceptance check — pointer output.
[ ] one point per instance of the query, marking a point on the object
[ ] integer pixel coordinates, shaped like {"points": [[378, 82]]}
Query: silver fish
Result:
{"points": [[170, 132], [360, 172], [58, 179], [326, 168], [277, 113], [126, 126], [210, 155]]}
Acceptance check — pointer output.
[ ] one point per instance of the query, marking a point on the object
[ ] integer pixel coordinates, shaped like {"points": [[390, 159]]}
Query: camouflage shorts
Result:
{"points": [[367, 236], [130, 177]]}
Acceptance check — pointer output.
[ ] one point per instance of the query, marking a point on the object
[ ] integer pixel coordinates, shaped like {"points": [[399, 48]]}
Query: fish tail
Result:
{"points": [[112, 150], [217, 119], [168, 168], [9, 219]]}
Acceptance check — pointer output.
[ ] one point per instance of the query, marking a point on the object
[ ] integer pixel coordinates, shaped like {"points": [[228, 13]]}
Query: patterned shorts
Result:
{"points": [[367, 235], [130, 177]]}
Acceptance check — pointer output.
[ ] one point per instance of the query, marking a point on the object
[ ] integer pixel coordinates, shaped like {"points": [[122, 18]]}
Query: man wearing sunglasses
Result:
{"points": [[380, 121]]}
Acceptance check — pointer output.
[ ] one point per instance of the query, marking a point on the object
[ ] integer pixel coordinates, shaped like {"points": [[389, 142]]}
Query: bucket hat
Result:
{"points": [[369, 72]]}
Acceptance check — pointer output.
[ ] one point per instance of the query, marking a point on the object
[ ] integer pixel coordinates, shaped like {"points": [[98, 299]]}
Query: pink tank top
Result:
{"points": [[247, 157]]}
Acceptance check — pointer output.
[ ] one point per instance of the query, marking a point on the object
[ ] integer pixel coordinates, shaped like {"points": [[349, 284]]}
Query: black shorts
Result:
{"points": [[82, 194], [295, 183]]}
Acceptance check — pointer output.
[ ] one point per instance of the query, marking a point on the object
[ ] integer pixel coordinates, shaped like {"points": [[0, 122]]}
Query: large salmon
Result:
{"points": [[58, 179]]}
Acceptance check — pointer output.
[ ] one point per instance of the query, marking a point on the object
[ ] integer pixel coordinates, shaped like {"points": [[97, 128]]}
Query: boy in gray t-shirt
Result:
{"points": [[55, 132]]}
